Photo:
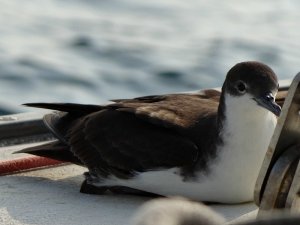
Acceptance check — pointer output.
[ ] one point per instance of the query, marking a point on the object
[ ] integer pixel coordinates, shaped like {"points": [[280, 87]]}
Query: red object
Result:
{"points": [[26, 163]]}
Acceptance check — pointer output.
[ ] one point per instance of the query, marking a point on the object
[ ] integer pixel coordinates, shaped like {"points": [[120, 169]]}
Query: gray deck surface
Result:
{"points": [[51, 196]]}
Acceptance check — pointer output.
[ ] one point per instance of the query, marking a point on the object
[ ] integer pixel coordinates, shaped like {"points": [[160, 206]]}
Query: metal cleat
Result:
{"points": [[278, 183]]}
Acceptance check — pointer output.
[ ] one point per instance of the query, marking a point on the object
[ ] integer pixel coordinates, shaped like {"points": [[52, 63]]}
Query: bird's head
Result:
{"points": [[253, 82]]}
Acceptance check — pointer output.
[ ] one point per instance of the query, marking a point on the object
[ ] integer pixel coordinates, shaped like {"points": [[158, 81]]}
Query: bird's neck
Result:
{"points": [[245, 130], [245, 127]]}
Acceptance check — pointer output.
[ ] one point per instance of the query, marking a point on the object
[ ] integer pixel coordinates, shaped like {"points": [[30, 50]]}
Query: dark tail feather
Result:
{"points": [[60, 123], [66, 107], [53, 150]]}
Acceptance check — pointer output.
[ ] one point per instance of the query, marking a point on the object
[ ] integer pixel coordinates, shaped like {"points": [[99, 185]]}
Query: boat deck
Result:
{"points": [[51, 196]]}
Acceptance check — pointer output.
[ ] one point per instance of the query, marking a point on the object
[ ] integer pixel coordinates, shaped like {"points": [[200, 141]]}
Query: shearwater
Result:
{"points": [[207, 146]]}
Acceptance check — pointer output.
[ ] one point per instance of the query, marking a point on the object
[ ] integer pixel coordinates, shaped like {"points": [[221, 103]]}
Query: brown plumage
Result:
{"points": [[130, 136], [119, 130]]}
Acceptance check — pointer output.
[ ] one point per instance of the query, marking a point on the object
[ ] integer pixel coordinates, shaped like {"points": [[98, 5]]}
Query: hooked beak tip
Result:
{"points": [[269, 104]]}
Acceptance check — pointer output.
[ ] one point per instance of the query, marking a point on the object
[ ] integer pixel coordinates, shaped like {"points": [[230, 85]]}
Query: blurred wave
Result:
{"points": [[91, 51]]}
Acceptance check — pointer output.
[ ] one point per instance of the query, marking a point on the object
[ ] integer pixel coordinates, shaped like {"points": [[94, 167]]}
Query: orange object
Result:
{"points": [[26, 163]]}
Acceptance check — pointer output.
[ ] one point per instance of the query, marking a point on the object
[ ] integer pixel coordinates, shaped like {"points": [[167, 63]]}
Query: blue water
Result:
{"points": [[93, 50]]}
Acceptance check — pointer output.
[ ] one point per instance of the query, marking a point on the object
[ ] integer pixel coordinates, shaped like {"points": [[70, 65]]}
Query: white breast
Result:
{"points": [[246, 134]]}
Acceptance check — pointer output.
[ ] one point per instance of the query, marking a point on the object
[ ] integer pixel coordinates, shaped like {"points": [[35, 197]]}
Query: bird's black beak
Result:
{"points": [[268, 101]]}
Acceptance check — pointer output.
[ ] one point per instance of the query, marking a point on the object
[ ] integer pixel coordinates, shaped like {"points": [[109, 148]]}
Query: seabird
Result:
{"points": [[206, 146]]}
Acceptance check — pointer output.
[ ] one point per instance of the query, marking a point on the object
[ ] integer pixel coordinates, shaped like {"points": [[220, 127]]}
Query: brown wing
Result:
{"points": [[175, 110], [138, 135]]}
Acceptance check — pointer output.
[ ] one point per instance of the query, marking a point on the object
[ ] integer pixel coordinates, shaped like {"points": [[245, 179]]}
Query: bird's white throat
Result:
{"points": [[247, 128], [246, 134]]}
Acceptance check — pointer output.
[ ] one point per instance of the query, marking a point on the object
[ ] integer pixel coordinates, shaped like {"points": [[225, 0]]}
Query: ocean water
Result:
{"points": [[89, 51]]}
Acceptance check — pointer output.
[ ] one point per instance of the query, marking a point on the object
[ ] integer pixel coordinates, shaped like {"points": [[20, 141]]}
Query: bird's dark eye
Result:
{"points": [[241, 87]]}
